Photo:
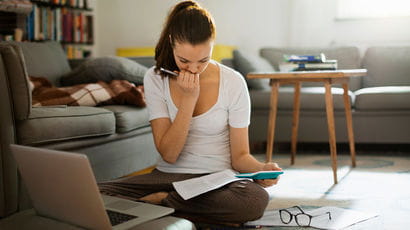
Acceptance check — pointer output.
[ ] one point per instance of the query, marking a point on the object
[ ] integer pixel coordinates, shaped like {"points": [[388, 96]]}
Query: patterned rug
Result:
{"points": [[379, 184]]}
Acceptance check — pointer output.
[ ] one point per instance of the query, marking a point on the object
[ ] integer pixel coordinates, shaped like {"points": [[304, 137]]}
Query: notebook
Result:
{"points": [[62, 186]]}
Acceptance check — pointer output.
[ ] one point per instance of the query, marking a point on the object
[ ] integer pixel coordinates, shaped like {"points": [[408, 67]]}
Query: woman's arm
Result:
{"points": [[243, 161], [170, 137]]}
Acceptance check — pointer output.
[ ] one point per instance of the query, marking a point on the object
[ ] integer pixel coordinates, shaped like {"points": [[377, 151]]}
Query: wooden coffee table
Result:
{"points": [[328, 77]]}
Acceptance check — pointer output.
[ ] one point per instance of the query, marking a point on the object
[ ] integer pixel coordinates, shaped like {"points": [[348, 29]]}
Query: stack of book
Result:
{"points": [[307, 63]]}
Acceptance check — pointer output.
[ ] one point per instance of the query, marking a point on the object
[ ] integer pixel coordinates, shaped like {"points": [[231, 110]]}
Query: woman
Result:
{"points": [[199, 121]]}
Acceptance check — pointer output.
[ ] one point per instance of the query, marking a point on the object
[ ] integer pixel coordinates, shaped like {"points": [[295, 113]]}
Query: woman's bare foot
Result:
{"points": [[154, 198]]}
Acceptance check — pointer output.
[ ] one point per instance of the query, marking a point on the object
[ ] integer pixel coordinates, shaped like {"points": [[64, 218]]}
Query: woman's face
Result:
{"points": [[193, 58]]}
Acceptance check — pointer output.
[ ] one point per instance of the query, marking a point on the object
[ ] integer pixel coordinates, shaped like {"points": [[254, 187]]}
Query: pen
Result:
{"points": [[168, 71]]}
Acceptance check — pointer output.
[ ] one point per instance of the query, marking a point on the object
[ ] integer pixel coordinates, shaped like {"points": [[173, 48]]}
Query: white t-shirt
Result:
{"points": [[207, 147]]}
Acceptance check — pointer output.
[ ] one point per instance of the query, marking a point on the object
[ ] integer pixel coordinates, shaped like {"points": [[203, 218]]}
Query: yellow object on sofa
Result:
{"points": [[220, 52], [136, 52]]}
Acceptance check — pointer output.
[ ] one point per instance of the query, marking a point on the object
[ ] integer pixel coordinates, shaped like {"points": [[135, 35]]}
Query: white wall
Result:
{"points": [[311, 22], [247, 24], [243, 23], [314, 23], [250, 24]]}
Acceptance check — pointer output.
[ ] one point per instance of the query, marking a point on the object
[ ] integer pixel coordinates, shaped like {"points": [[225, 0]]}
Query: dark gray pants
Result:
{"points": [[237, 202]]}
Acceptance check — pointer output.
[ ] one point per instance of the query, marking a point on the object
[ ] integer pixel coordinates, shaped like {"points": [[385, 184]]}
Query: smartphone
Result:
{"points": [[168, 72], [260, 175]]}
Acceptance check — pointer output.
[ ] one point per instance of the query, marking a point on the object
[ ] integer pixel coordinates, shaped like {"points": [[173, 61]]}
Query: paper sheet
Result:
{"points": [[196, 186], [341, 218]]}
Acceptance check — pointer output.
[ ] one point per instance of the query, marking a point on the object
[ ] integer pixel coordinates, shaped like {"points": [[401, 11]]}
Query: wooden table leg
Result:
{"points": [[349, 122], [295, 121], [331, 128], [272, 120]]}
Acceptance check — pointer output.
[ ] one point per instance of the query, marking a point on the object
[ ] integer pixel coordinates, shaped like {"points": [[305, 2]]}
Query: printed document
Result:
{"points": [[341, 218], [196, 186]]}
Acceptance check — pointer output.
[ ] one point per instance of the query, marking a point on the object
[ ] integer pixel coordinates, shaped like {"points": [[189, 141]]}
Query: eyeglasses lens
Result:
{"points": [[285, 216], [302, 219]]}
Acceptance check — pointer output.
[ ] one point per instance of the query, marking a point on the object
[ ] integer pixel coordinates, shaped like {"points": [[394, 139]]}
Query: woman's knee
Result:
{"points": [[251, 203]]}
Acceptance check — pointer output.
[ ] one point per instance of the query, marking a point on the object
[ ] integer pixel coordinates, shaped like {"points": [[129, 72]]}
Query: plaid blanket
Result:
{"points": [[117, 92]]}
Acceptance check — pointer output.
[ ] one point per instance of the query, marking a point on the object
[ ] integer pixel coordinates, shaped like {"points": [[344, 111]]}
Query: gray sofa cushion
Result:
{"points": [[128, 117], [45, 59], [228, 62], [106, 69], [383, 98], [347, 58], [387, 66], [311, 98], [14, 67], [58, 123], [146, 61], [246, 63]]}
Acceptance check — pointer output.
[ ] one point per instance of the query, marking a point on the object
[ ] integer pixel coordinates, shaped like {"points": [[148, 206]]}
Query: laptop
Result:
{"points": [[62, 186]]}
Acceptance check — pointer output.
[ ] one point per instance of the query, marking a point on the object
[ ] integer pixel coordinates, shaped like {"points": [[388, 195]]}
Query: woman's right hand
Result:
{"points": [[189, 84], [170, 136]]}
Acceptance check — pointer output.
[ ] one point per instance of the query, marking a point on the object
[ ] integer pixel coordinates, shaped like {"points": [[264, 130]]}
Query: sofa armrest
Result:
{"points": [[8, 167], [16, 79]]}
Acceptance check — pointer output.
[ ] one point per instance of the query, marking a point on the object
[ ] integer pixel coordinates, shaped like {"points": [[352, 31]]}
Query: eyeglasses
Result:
{"points": [[302, 219]]}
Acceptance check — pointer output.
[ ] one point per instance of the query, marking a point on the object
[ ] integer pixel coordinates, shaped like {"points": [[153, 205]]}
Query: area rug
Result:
{"points": [[378, 184]]}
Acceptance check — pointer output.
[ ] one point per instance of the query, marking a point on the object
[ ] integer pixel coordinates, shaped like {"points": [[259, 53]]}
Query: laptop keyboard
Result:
{"points": [[118, 218]]}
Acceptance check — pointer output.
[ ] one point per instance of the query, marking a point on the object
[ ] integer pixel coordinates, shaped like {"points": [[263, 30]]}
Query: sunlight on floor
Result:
{"points": [[378, 184]]}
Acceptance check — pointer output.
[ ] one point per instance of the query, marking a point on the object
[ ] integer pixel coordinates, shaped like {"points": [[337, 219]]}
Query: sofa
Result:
{"points": [[380, 101], [117, 139]]}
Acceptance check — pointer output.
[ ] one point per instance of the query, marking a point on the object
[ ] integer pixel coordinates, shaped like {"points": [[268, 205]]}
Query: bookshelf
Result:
{"points": [[69, 22]]}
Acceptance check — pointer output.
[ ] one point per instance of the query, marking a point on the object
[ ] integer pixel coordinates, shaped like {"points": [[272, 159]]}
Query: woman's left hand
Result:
{"points": [[270, 166]]}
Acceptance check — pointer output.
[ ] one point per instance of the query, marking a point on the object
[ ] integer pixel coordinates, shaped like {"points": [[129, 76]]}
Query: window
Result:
{"points": [[355, 9]]}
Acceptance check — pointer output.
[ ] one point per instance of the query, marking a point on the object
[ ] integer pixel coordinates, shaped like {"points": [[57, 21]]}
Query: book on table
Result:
{"points": [[328, 65], [295, 58], [296, 62]]}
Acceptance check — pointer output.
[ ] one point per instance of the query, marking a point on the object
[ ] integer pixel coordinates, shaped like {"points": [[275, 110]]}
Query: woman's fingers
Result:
{"points": [[188, 83], [268, 182], [271, 166], [188, 80]]}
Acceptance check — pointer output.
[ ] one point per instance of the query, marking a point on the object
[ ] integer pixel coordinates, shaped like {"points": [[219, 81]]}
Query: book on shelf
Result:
{"points": [[76, 4], [69, 22], [77, 52], [59, 24], [89, 30]]}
